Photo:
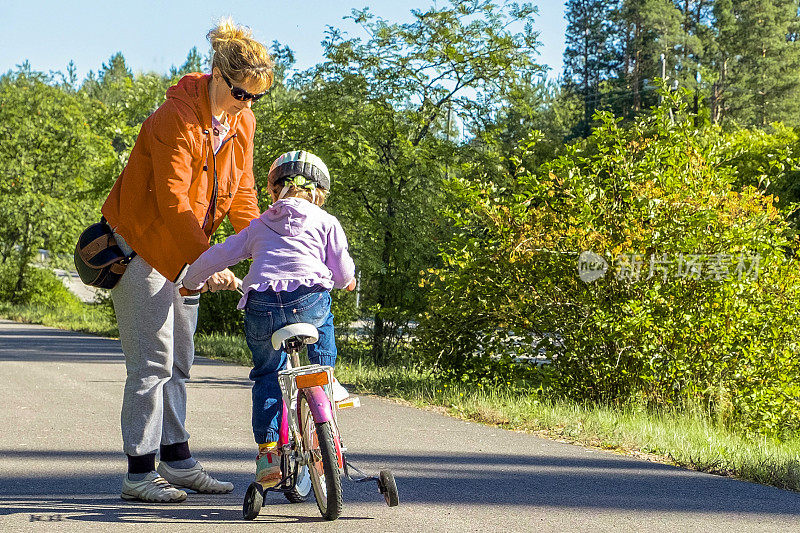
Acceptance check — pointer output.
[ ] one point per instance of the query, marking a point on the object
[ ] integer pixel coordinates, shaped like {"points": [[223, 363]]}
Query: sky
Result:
{"points": [[156, 35]]}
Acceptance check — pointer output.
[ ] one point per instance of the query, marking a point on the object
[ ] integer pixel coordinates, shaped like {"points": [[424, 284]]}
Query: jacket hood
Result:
{"points": [[192, 90], [289, 216]]}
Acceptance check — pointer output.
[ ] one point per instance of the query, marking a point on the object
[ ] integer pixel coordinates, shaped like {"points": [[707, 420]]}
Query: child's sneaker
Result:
{"points": [[339, 392], [268, 465]]}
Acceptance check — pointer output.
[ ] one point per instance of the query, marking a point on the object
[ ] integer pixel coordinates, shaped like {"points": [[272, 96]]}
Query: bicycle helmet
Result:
{"points": [[301, 169]]}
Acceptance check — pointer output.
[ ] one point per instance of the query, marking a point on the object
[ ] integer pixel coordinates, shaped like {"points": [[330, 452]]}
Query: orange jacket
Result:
{"points": [[160, 201]]}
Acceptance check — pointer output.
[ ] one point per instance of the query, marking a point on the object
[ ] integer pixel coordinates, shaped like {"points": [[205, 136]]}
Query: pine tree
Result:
{"points": [[194, 63], [723, 55], [647, 29], [589, 57], [758, 61], [692, 55]]}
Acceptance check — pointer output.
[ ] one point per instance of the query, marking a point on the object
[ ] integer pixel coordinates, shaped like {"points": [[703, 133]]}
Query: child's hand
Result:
{"points": [[223, 280], [351, 285]]}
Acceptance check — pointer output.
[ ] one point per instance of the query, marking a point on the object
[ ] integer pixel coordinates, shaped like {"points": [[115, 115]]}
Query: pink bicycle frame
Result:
{"points": [[320, 409]]}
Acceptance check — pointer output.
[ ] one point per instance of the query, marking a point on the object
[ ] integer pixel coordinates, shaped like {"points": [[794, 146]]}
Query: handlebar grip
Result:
{"points": [[239, 287]]}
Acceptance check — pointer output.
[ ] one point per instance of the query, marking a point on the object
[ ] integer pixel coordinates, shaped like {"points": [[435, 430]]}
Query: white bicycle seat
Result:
{"points": [[302, 330]]}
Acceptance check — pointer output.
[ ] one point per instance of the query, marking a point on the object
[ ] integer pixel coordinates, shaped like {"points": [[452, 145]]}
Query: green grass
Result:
{"points": [[685, 439], [84, 318]]}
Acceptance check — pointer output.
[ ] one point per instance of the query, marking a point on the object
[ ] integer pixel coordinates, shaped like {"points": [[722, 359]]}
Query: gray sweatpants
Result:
{"points": [[156, 330]]}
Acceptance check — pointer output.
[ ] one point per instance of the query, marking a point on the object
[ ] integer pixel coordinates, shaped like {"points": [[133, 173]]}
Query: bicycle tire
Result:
{"points": [[302, 489], [323, 464], [389, 488], [253, 500]]}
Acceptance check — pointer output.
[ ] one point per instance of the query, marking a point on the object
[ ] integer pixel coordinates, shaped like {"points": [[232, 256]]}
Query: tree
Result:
{"points": [[589, 55], [49, 157], [758, 61], [123, 102], [194, 63], [377, 112], [694, 51], [647, 29]]}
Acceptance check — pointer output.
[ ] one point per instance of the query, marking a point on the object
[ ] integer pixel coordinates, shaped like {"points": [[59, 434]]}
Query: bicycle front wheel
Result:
{"points": [[323, 467]]}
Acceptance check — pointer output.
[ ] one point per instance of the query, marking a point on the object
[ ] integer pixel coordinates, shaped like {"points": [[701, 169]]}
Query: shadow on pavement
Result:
{"points": [[36, 343], [53, 345], [116, 510], [406, 461], [476, 480]]}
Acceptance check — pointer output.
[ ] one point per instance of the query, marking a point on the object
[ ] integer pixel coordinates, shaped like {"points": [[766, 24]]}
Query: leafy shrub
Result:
{"points": [[768, 160], [659, 188], [40, 287]]}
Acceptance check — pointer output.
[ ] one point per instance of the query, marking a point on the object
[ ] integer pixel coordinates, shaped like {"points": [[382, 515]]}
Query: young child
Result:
{"points": [[299, 254]]}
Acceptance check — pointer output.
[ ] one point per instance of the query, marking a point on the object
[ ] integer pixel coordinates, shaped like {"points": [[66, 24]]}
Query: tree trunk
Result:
{"points": [[378, 353], [587, 105], [379, 331], [717, 99], [24, 258]]}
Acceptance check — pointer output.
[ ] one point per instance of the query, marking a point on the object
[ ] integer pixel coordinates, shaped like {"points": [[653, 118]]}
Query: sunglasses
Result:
{"points": [[240, 94]]}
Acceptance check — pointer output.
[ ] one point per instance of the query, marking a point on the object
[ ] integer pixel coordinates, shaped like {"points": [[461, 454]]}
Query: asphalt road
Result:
{"points": [[61, 463]]}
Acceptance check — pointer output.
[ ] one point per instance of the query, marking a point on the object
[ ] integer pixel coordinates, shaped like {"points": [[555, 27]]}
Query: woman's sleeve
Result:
{"points": [[216, 258], [337, 257], [172, 154], [244, 207]]}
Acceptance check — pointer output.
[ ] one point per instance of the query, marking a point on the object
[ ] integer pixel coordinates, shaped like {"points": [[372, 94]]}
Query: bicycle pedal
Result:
{"points": [[349, 403]]}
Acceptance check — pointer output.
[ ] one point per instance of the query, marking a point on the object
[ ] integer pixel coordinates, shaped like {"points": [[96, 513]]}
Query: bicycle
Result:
{"points": [[309, 436]]}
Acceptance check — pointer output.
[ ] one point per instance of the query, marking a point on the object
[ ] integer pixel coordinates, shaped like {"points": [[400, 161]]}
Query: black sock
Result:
{"points": [[141, 464], [175, 452]]}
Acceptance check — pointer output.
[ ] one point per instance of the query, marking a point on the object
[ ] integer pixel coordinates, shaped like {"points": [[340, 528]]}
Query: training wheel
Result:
{"points": [[253, 500], [388, 487]]}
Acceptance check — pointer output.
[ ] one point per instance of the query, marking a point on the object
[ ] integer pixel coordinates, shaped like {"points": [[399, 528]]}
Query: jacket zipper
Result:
{"points": [[212, 207]]}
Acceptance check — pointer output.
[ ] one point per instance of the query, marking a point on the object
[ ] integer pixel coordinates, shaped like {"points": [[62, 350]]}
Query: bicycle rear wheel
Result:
{"points": [[323, 465], [302, 488]]}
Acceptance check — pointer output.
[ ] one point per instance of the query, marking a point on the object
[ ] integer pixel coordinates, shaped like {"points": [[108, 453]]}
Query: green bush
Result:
{"points": [[218, 313], [660, 188], [768, 160], [40, 287]]}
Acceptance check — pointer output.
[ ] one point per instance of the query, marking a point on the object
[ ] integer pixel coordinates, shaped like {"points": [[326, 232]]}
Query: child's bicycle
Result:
{"points": [[312, 452]]}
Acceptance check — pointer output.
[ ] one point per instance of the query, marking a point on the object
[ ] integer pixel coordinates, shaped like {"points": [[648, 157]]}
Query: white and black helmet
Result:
{"points": [[299, 163]]}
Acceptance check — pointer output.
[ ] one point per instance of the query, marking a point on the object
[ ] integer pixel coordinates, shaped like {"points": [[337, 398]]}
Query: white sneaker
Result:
{"points": [[339, 392], [153, 488], [194, 478]]}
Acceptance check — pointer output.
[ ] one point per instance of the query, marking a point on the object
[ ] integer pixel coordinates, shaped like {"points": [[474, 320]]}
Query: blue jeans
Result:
{"points": [[265, 313]]}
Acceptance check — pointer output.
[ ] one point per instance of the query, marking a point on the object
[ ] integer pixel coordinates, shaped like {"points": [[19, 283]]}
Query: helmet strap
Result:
{"points": [[301, 183]]}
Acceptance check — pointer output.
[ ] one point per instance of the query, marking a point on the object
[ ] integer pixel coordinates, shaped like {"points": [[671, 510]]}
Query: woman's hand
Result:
{"points": [[223, 280], [188, 292], [351, 285]]}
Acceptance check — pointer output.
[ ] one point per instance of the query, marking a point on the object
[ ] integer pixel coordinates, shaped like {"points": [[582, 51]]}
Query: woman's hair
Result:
{"points": [[238, 56], [318, 198]]}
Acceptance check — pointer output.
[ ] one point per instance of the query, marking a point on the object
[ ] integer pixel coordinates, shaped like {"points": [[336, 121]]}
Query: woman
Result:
{"points": [[190, 167]]}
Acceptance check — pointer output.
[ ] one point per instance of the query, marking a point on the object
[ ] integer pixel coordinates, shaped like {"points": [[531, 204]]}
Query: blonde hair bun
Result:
{"points": [[238, 56]]}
